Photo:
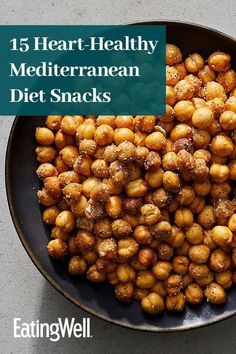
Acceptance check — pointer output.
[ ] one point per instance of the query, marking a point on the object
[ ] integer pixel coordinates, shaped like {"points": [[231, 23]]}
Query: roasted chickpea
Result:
{"points": [[69, 125], [145, 279], [124, 122], [220, 190], [94, 275], [161, 230], [186, 280], [90, 256], [199, 254], [169, 161], [185, 196], [230, 104], [85, 131], [124, 292], [215, 294], [154, 178], [206, 218], [194, 294], [127, 248], [206, 74], [162, 270], [85, 240], [219, 261], [177, 237], [202, 189], [180, 264], [181, 70], [121, 228], [202, 118], [45, 153], [219, 61], [171, 181], [164, 251], [224, 279], [44, 136], [77, 266], [59, 233], [136, 188], [107, 249], [227, 79], [201, 138], [105, 266], [126, 151], [228, 120], [50, 215], [123, 134], [197, 205], [183, 90], [173, 54], [224, 208], [173, 284], [82, 165], [142, 235], [155, 141], [175, 302], [104, 135], [151, 213], [198, 271], [112, 278], [139, 138], [208, 279], [46, 170], [159, 288], [94, 209], [72, 192], [214, 90], [69, 154], [57, 249], [152, 161], [52, 186], [45, 198], [181, 131], [222, 146], [222, 236], [53, 122], [153, 304], [216, 105], [146, 256], [114, 206], [194, 234], [183, 217], [194, 63], [65, 221], [184, 110], [87, 147], [172, 75], [68, 177]]}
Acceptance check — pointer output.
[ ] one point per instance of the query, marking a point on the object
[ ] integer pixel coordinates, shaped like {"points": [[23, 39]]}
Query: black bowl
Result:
{"points": [[22, 185]]}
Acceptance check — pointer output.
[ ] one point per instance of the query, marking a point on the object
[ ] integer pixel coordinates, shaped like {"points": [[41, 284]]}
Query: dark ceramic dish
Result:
{"points": [[22, 184]]}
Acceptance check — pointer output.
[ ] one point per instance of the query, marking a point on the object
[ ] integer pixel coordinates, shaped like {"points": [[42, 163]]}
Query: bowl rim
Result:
{"points": [[41, 269]]}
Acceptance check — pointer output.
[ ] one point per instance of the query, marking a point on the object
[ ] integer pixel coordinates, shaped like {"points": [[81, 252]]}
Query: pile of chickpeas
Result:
{"points": [[148, 202]]}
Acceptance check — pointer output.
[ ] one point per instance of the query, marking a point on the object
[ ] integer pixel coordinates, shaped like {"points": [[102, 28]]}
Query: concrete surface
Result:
{"points": [[24, 292]]}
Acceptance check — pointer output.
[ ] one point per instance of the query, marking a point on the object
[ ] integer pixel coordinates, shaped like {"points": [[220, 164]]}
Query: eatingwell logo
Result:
{"points": [[53, 331]]}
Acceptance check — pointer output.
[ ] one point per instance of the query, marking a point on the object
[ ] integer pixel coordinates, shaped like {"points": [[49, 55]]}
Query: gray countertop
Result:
{"points": [[24, 292]]}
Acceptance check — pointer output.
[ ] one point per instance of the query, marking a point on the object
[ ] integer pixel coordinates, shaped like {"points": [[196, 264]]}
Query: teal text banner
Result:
{"points": [[85, 70]]}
